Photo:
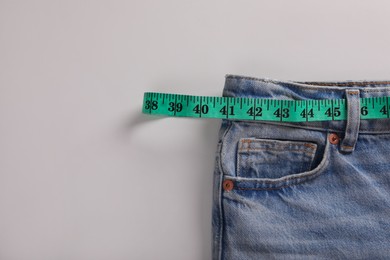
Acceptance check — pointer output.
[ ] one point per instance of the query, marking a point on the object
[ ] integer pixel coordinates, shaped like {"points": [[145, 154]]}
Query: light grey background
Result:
{"points": [[83, 175]]}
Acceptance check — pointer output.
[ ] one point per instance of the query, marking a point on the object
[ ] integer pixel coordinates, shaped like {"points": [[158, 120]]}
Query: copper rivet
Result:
{"points": [[334, 139], [227, 185]]}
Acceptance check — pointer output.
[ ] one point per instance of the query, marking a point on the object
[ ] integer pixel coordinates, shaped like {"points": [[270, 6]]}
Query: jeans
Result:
{"points": [[307, 190]]}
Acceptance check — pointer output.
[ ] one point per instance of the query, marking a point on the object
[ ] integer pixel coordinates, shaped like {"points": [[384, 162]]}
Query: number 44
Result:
{"points": [[309, 113]]}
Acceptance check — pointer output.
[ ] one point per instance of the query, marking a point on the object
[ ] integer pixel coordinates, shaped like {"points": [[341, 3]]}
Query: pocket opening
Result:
{"points": [[273, 158]]}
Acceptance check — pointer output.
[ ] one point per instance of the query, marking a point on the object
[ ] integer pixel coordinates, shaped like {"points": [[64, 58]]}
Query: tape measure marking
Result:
{"points": [[258, 109]]}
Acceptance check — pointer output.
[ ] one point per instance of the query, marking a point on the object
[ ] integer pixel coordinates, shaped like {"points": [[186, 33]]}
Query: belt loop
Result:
{"points": [[353, 121]]}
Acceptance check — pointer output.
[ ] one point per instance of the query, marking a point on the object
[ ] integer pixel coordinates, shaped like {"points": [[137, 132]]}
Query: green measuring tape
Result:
{"points": [[177, 105]]}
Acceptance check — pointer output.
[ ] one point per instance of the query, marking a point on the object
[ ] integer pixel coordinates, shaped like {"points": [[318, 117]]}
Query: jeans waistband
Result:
{"points": [[242, 86]]}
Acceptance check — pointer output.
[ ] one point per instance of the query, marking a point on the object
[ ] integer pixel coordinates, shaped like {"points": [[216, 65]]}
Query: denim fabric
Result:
{"points": [[295, 194]]}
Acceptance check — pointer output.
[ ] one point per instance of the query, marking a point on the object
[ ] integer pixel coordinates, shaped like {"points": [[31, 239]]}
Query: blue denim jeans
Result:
{"points": [[308, 190]]}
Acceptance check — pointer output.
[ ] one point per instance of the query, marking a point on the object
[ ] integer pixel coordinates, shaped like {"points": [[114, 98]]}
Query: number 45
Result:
{"points": [[336, 112]]}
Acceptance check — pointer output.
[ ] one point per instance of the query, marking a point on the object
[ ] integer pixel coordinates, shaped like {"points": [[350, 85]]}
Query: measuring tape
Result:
{"points": [[177, 105]]}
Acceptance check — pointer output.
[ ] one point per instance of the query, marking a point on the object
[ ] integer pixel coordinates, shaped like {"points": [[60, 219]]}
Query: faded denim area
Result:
{"points": [[261, 157], [295, 194]]}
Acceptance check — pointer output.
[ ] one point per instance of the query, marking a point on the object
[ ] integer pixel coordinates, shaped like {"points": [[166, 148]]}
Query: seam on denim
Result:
{"points": [[374, 90], [321, 129], [299, 147], [310, 145], [303, 180], [267, 140], [275, 150], [381, 131], [307, 178], [353, 83], [275, 188], [284, 180], [305, 160], [220, 231], [222, 145], [318, 89], [220, 191], [330, 90], [238, 166], [317, 83], [250, 141]]}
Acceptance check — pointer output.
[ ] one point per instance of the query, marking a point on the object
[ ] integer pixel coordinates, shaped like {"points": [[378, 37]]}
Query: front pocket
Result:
{"points": [[272, 159]]}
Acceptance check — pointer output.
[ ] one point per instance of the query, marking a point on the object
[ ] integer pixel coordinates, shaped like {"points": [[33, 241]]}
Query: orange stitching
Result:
{"points": [[249, 144], [276, 150], [310, 145], [248, 141]]}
